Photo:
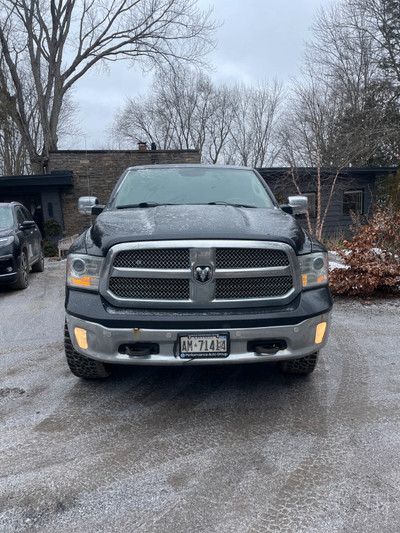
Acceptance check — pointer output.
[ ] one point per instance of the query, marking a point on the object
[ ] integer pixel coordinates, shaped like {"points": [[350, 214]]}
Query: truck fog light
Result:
{"points": [[320, 332], [81, 338]]}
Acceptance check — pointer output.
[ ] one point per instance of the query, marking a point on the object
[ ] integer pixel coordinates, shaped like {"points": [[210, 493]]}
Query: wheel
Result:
{"points": [[39, 265], [305, 365], [23, 273], [80, 365]]}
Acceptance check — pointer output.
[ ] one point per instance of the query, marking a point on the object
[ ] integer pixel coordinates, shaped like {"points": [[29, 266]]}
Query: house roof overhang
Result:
{"points": [[345, 172], [54, 179]]}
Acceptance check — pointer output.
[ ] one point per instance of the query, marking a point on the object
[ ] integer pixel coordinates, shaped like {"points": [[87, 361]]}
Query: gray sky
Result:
{"points": [[258, 40]]}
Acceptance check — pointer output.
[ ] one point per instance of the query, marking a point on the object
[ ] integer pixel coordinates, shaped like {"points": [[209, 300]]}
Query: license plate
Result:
{"points": [[203, 345]]}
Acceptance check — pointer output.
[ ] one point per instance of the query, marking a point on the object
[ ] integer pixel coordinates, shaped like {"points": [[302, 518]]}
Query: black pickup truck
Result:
{"points": [[195, 264]]}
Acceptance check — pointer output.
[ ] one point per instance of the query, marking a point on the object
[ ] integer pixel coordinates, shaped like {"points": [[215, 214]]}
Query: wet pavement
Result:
{"points": [[235, 449]]}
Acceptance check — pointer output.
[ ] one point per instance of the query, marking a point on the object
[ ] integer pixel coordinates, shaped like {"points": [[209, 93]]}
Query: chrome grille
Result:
{"points": [[163, 274], [150, 289], [249, 258], [154, 258], [245, 288]]}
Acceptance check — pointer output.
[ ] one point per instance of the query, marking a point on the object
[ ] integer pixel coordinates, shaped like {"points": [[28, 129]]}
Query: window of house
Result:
{"points": [[312, 203], [353, 202]]}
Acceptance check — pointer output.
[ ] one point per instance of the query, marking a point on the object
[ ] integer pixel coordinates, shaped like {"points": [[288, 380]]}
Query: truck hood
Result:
{"points": [[190, 222]]}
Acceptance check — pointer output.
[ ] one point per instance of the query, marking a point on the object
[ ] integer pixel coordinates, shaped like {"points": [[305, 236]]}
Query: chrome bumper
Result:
{"points": [[103, 343]]}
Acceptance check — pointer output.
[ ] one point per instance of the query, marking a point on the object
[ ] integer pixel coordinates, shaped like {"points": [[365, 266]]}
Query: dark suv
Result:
{"points": [[20, 245]]}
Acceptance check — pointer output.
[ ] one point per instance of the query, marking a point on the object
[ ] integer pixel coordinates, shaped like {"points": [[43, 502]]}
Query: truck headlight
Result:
{"points": [[83, 271], [314, 270]]}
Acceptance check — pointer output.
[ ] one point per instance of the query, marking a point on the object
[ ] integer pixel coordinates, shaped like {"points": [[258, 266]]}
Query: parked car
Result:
{"points": [[20, 245], [195, 264]]}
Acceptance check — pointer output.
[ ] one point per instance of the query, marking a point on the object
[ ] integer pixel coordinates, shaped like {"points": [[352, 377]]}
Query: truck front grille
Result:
{"points": [[244, 288], [164, 258], [200, 274], [150, 289], [249, 258]]}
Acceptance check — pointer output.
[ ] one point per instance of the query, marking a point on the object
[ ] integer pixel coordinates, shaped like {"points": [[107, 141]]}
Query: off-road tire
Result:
{"points": [[80, 365], [23, 273], [39, 265], [305, 365]]}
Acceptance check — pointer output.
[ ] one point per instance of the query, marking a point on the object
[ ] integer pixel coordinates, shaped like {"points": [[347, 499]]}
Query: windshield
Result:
{"points": [[6, 217], [190, 185]]}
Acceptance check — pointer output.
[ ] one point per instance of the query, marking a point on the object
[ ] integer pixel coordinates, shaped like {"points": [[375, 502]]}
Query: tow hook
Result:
{"points": [[139, 349], [269, 348]]}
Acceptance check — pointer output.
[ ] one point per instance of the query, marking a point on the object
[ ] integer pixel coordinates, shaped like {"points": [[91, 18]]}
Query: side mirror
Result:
{"points": [[89, 205], [299, 204], [26, 224]]}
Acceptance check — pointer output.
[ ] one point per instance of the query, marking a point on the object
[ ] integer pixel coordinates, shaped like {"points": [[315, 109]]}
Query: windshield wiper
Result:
{"points": [[155, 204], [141, 205], [220, 202]]}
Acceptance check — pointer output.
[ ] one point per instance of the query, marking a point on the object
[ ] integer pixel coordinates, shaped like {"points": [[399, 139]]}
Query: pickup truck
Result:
{"points": [[193, 265]]}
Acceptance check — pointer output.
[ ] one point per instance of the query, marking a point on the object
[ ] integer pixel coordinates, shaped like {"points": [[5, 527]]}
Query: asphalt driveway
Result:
{"points": [[236, 449]]}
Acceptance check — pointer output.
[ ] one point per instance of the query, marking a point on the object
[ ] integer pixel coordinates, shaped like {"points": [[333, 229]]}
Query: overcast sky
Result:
{"points": [[258, 40]]}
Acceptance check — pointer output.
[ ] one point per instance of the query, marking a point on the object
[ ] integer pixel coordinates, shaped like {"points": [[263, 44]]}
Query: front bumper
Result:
{"points": [[104, 342], [8, 268]]}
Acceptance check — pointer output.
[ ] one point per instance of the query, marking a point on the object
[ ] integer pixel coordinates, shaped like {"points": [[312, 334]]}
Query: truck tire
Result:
{"points": [[305, 365], [80, 365], [39, 265], [23, 273]]}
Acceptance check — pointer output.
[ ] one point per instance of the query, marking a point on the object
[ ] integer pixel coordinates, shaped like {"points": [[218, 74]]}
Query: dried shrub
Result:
{"points": [[334, 241], [371, 257]]}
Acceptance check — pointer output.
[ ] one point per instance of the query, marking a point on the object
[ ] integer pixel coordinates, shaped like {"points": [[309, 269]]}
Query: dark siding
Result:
{"points": [[336, 224]]}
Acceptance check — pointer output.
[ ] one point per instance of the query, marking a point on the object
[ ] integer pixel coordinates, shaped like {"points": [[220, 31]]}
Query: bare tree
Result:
{"points": [[256, 112], [218, 127], [13, 156], [183, 110], [343, 112], [307, 134], [53, 44], [184, 103], [341, 56], [379, 20], [347, 59]]}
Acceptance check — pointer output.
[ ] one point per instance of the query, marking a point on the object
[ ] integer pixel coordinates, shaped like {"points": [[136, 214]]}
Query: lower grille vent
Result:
{"points": [[236, 288]]}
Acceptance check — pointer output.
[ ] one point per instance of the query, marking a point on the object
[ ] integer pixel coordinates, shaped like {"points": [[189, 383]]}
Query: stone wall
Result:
{"points": [[95, 173]]}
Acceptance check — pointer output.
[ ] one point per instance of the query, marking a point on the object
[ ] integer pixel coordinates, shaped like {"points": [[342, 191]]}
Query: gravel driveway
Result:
{"points": [[238, 449]]}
